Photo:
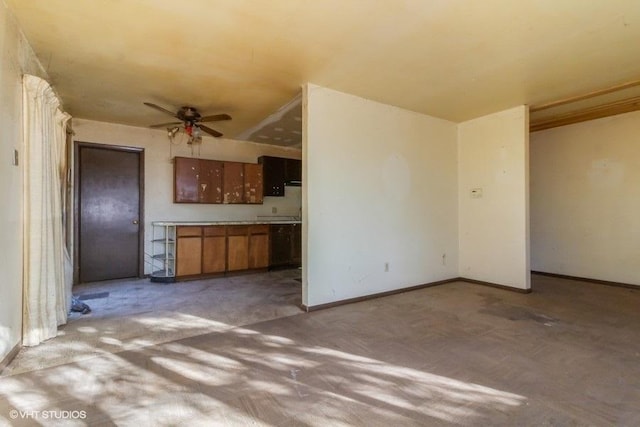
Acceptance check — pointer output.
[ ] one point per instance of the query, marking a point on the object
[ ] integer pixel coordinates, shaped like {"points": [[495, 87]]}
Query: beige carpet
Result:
{"points": [[139, 313], [463, 354]]}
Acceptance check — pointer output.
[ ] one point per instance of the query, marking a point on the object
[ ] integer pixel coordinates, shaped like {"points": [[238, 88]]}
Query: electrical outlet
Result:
{"points": [[274, 210]]}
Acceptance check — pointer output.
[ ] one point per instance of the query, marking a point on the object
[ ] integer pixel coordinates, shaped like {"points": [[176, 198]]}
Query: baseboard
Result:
{"points": [[586, 279], [10, 356], [495, 285], [377, 295]]}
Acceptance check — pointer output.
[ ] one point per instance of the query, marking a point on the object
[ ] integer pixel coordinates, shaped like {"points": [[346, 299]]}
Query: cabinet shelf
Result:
{"points": [[163, 241], [162, 258]]}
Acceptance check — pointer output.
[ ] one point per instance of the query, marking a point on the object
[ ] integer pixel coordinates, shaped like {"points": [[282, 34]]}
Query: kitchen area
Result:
{"points": [[187, 250]]}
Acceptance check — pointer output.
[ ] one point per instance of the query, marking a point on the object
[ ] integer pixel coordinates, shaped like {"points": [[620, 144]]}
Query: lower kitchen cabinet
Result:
{"points": [[237, 248], [296, 244], [258, 246], [217, 249], [214, 250], [189, 251], [285, 245], [280, 243]]}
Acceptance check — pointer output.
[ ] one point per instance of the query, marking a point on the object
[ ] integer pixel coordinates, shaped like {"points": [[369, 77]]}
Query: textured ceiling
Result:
{"points": [[453, 59]]}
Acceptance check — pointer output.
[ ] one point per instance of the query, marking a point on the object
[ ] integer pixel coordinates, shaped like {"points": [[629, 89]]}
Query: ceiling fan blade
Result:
{"points": [[159, 108], [210, 131], [215, 118], [163, 125]]}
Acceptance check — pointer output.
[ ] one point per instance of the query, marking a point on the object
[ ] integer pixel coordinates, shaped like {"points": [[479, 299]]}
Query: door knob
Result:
{"points": [[135, 221]]}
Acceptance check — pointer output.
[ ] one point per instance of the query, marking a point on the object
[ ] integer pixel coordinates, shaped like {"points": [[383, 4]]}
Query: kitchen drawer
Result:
{"points": [[237, 230], [217, 230], [259, 229], [189, 231]]}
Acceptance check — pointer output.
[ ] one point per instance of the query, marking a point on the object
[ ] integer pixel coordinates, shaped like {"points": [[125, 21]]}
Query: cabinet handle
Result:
{"points": [[135, 221]]}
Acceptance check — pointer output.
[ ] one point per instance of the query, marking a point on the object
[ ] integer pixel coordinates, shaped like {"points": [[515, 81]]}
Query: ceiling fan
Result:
{"points": [[191, 119]]}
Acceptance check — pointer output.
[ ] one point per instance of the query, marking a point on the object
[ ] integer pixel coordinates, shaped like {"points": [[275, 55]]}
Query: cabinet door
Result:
{"points": [[214, 249], [233, 182], [293, 172], [259, 246], [186, 176], [253, 183], [210, 183], [296, 244], [188, 251], [280, 245], [273, 175], [237, 253]]}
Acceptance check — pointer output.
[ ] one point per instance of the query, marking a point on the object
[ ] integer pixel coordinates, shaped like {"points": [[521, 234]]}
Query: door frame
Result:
{"points": [[76, 201]]}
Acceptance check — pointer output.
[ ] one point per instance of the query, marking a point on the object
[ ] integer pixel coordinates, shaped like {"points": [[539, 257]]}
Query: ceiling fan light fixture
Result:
{"points": [[190, 118], [171, 132]]}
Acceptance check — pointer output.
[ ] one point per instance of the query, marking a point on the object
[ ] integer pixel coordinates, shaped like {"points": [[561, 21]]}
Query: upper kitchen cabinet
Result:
{"points": [[293, 172], [186, 180], [210, 190], [279, 171], [233, 183], [214, 181], [253, 183], [274, 171], [197, 180]]}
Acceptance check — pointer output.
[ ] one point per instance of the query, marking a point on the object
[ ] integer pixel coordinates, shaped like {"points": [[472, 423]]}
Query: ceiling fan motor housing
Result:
{"points": [[189, 114]]}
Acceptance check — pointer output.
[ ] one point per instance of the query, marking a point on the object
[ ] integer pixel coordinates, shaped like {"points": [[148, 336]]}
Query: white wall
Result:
{"points": [[158, 195], [494, 229], [585, 199], [380, 187], [17, 58]]}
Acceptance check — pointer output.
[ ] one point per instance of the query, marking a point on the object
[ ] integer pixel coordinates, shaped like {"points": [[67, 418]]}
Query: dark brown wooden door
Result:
{"points": [[109, 213]]}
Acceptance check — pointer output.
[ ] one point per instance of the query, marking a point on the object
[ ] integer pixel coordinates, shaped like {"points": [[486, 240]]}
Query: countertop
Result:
{"points": [[246, 222]]}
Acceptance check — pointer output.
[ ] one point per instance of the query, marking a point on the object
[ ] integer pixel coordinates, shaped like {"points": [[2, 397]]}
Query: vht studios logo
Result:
{"points": [[48, 415]]}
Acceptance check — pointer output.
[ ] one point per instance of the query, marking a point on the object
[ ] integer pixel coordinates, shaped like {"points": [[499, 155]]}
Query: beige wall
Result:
{"points": [[17, 58], [494, 228], [158, 195], [380, 188], [585, 199]]}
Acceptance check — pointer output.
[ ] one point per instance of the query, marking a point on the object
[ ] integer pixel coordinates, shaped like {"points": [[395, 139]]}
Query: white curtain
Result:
{"points": [[47, 293]]}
